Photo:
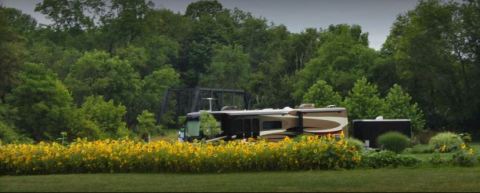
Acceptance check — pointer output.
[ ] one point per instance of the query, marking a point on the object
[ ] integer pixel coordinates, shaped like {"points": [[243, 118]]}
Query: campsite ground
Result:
{"points": [[399, 179]]}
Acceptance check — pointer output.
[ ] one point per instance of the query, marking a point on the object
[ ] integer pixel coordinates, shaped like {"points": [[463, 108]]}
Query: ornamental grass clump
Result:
{"points": [[393, 141], [446, 142], [83, 156]]}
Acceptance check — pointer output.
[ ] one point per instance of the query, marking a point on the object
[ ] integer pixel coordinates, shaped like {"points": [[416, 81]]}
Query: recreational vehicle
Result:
{"points": [[271, 124]]}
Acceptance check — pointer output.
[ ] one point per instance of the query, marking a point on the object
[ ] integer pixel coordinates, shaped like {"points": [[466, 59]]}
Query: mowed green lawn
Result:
{"points": [[402, 179]]}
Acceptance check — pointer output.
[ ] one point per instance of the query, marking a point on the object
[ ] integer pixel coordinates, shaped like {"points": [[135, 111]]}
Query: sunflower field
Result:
{"points": [[126, 155]]}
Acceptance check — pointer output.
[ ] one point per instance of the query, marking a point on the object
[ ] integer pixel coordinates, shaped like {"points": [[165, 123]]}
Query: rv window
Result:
{"points": [[270, 125], [193, 128]]}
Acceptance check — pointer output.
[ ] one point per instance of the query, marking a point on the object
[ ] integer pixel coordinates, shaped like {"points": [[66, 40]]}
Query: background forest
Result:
{"points": [[100, 70]]}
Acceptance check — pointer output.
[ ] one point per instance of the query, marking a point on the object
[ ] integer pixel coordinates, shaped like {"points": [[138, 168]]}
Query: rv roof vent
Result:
{"points": [[307, 106], [331, 106]]}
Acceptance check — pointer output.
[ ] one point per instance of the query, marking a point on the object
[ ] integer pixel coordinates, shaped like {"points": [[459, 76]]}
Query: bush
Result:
{"points": [[466, 137], [147, 124], [464, 157], [420, 149], [359, 145], [393, 141], [209, 125], [387, 159], [446, 142], [436, 159], [162, 156], [7, 134], [105, 118]]}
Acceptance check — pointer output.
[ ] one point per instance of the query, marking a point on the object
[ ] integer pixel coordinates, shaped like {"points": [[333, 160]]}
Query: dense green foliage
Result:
{"points": [[209, 125], [388, 159], [446, 142], [398, 104], [147, 124], [130, 52], [363, 101], [44, 105], [393, 141], [321, 94], [104, 117], [359, 145]]}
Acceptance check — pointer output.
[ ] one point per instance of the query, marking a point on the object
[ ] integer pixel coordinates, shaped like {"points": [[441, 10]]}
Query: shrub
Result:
{"points": [[420, 148], [387, 159], [126, 155], [147, 124], [7, 134], [106, 117], [359, 145], [466, 137], [464, 157], [446, 142], [436, 159], [393, 141], [209, 125]]}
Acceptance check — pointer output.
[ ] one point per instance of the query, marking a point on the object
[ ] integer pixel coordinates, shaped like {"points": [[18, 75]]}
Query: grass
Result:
{"points": [[169, 135], [427, 156], [400, 179]]}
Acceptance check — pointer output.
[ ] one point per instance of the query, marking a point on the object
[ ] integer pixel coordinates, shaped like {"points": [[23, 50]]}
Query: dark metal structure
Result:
{"points": [[184, 100]]}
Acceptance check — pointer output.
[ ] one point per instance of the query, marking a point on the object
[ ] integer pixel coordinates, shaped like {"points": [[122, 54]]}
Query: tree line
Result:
{"points": [[101, 68]]}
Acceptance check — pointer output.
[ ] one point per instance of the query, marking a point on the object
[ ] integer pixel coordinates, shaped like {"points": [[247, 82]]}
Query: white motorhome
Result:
{"points": [[271, 124]]}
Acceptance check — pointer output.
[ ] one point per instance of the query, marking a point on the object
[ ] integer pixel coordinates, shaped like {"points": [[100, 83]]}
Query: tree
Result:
{"points": [[230, 68], [57, 58], [469, 53], [8, 132], [303, 47], [162, 51], [398, 104], [209, 125], [427, 48], [136, 56], [363, 101], [106, 116], [343, 57], [11, 51], [43, 103], [71, 15], [202, 8], [322, 94], [96, 73], [209, 27], [147, 124], [19, 22], [156, 84], [124, 22]]}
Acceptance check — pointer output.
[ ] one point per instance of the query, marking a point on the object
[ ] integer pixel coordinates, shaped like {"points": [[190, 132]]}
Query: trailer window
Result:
{"points": [[270, 125]]}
